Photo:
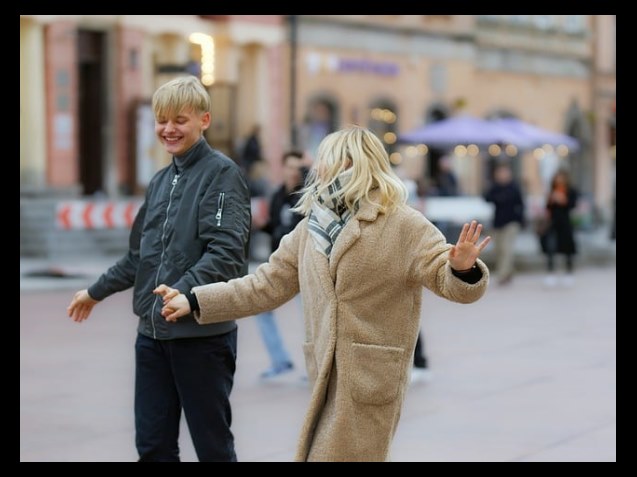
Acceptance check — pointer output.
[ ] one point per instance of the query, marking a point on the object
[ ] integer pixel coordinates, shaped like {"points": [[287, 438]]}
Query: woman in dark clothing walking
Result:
{"points": [[559, 237]]}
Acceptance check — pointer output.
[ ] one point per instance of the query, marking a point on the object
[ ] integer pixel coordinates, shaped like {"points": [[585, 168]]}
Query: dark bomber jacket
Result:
{"points": [[192, 229]]}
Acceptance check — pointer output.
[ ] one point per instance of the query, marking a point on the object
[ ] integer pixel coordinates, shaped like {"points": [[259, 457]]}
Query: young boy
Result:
{"points": [[192, 229]]}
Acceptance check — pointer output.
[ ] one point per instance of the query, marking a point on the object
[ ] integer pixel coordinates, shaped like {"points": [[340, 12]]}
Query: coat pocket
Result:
{"points": [[375, 373], [310, 362]]}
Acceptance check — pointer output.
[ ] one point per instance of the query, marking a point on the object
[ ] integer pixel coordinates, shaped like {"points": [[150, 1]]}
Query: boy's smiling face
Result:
{"points": [[178, 134]]}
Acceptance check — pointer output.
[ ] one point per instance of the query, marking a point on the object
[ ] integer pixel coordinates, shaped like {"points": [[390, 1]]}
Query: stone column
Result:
{"points": [[32, 106]]}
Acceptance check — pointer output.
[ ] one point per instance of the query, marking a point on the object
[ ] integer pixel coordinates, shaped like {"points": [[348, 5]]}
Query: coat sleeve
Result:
{"points": [[270, 286], [227, 237], [121, 276], [429, 265]]}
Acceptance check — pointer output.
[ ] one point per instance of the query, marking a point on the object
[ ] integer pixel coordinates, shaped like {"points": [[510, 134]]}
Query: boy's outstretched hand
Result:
{"points": [[81, 306], [175, 303], [464, 253]]}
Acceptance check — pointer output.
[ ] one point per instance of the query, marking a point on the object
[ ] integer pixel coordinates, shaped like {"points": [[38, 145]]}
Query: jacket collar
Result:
{"points": [[181, 163]]}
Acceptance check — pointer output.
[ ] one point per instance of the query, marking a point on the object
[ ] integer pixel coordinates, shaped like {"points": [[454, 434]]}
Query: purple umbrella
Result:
{"points": [[464, 130], [537, 136]]}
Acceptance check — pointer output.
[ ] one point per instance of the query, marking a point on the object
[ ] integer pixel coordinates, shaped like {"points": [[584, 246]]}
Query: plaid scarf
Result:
{"points": [[329, 215]]}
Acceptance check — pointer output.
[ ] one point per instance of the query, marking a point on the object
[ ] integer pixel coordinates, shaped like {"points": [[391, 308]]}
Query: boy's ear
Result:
{"points": [[205, 121]]}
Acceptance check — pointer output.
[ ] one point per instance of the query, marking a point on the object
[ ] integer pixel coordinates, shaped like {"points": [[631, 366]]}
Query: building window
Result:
{"points": [[544, 22], [441, 17], [489, 18], [574, 24], [438, 78], [133, 59], [521, 20]]}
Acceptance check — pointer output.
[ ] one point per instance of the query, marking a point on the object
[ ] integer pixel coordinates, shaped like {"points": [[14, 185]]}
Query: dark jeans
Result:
{"points": [[195, 374]]}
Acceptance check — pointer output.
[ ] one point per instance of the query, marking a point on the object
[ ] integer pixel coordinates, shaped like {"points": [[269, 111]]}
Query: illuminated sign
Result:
{"points": [[353, 65]]}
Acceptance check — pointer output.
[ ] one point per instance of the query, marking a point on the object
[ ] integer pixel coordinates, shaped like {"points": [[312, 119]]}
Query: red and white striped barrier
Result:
{"points": [[79, 214]]}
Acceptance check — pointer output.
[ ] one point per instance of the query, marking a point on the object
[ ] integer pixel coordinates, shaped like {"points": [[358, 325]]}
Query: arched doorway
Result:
{"points": [[510, 155], [91, 106], [321, 119], [436, 112], [383, 121]]}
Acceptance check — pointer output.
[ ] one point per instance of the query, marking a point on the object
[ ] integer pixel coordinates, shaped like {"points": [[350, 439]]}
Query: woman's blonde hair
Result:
{"points": [[360, 149], [183, 93]]}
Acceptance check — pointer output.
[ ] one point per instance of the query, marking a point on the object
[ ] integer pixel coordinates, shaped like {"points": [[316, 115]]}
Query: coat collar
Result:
{"points": [[368, 211], [352, 231]]}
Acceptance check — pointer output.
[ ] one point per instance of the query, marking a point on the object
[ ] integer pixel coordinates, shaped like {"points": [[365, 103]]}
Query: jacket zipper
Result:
{"points": [[163, 251], [220, 201]]}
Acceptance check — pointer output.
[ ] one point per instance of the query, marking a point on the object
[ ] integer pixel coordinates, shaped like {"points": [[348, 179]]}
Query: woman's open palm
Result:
{"points": [[464, 253]]}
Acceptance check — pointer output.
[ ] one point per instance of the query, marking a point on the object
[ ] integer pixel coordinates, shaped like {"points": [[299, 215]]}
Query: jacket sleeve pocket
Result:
{"points": [[224, 210], [310, 362], [374, 375]]}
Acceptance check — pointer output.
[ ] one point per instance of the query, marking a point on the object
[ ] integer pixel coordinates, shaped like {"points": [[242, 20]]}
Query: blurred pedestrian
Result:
{"points": [[446, 185], [446, 180], [251, 152], [192, 229], [282, 220], [559, 237], [360, 258], [508, 219], [258, 181]]}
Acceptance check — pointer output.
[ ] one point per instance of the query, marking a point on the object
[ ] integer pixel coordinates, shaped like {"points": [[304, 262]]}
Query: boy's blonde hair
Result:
{"points": [[185, 93], [359, 148]]}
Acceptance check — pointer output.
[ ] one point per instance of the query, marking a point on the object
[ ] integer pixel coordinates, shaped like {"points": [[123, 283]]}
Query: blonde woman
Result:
{"points": [[360, 258]]}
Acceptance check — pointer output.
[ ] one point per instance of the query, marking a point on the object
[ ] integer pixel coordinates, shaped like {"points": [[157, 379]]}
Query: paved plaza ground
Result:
{"points": [[525, 374]]}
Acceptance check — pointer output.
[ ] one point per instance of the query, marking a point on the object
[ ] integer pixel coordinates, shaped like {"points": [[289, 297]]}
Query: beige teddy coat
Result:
{"points": [[362, 317]]}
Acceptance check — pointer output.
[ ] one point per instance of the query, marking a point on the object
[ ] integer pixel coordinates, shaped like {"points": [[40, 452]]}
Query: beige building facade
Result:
{"points": [[421, 68], [86, 82]]}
